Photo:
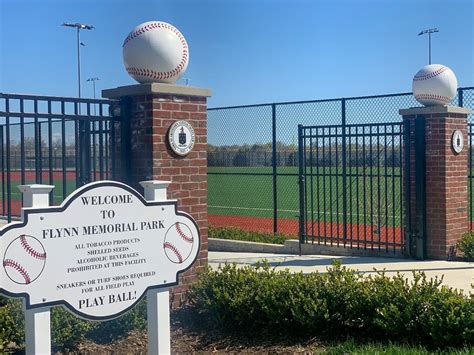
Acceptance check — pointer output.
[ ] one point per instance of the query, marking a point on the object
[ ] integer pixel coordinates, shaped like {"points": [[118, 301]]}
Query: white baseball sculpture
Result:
{"points": [[434, 84], [178, 243], [24, 259], [155, 52]]}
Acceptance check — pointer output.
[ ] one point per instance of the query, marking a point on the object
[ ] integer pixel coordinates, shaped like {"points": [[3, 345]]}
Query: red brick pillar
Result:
{"points": [[152, 109], [446, 186]]}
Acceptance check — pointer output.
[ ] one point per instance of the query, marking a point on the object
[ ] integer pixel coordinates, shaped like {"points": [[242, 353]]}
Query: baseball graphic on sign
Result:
{"points": [[178, 242], [24, 259], [434, 84], [155, 52]]}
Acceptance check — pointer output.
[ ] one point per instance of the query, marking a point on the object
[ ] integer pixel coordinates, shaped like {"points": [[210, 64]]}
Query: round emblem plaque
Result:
{"points": [[457, 141], [181, 137]]}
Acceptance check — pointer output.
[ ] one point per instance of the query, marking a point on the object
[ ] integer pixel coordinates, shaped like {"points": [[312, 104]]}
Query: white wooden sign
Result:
{"points": [[98, 253]]}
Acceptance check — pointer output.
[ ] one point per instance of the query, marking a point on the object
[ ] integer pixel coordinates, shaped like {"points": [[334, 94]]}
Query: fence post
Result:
{"points": [[85, 148], [301, 181], [2, 157], [125, 139], [460, 97], [22, 145], [344, 171], [420, 187], [274, 164], [408, 227]]}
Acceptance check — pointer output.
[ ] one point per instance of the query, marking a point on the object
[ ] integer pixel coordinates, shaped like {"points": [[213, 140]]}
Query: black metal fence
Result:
{"points": [[253, 149], [54, 140], [351, 187], [252, 170]]}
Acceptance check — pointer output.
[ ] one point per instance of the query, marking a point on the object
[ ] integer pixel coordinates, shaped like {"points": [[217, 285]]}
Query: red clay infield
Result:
{"points": [[15, 176], [289, 227], [355, 232]]}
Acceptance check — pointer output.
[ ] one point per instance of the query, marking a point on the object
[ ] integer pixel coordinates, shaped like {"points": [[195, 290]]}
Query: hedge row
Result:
{"points": [[337, 303]]}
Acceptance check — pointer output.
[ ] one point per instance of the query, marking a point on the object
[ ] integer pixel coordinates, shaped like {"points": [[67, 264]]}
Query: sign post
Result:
{"points": [[37, 321], [158, 307]]}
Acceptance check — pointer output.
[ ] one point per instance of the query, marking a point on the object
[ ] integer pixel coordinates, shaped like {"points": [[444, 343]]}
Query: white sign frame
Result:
{"points": [[44, 212]]}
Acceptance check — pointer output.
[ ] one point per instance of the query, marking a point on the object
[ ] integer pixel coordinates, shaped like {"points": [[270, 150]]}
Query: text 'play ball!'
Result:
{"points": [[155, 52], [434, 84]]}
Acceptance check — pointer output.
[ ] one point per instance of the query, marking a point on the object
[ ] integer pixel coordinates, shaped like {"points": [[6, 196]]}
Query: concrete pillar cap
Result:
{"points": [[433, 109]]}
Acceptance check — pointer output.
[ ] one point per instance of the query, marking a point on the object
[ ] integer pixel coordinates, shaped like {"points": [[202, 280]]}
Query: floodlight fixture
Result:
{"points": [[78, 26], [429, 31]]}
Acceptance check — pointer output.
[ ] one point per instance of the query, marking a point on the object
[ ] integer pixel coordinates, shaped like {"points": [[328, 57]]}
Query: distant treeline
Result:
{"points": [[287, 155]]}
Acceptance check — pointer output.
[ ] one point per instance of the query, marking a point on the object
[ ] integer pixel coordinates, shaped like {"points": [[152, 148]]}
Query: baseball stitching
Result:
{"points": [[182, 235], [17, 267], [444, 99], [430, 75], [152, 73], [29, 249], [175, 250]]}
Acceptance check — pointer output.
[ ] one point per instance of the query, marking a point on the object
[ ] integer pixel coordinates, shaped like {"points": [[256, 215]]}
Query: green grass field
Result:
{"points": [[30, 179], [57, 192], [372, 194]]}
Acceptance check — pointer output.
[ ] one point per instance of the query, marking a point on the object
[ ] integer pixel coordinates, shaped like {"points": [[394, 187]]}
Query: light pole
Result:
{"points": [[78, 26], [429, 31], [93, 85], [84, 168]]}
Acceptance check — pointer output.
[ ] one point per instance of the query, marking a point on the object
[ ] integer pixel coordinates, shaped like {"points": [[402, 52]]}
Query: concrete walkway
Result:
{"points": [[457, 274]]}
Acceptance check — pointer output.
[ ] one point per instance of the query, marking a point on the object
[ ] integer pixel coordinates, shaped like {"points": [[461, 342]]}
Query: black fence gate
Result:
{"points": [[351, 186], [59, 141]]}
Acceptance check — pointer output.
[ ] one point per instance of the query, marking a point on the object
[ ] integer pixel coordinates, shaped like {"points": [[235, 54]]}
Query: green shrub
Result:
{"points": [[134, 319], [66, 329], [466, 245], [233, 233], [10, 330], [338, 303]]}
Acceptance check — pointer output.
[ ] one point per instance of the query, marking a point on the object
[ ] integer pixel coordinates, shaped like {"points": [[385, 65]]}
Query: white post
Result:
{"points": [[37, 321], [158, 301]]}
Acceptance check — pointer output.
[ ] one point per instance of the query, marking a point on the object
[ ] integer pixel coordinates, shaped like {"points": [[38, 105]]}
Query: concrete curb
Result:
{"points": [[239, 246], [292, 247]]}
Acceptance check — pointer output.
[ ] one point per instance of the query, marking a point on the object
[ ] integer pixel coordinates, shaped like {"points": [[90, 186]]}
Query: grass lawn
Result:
{"points": [[371, 193], [352, 347]]}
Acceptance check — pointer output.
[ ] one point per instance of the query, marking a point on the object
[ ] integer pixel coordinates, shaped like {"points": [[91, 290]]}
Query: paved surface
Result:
{"points": [[457, 274]]}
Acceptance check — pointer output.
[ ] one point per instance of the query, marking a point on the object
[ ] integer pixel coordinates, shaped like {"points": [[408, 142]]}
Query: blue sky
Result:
{"points": [[245, 51]]}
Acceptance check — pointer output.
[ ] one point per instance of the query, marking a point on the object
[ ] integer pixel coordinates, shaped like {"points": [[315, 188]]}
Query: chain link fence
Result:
{"points": [[253, 154]]}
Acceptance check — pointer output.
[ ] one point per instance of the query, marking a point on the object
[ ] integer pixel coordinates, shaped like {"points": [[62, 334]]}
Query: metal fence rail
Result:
{"points": [[55, 140], [253, 170]]}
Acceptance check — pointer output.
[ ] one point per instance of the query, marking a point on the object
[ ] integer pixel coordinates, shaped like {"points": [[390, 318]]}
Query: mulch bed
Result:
{"points": [[188, 335]]}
